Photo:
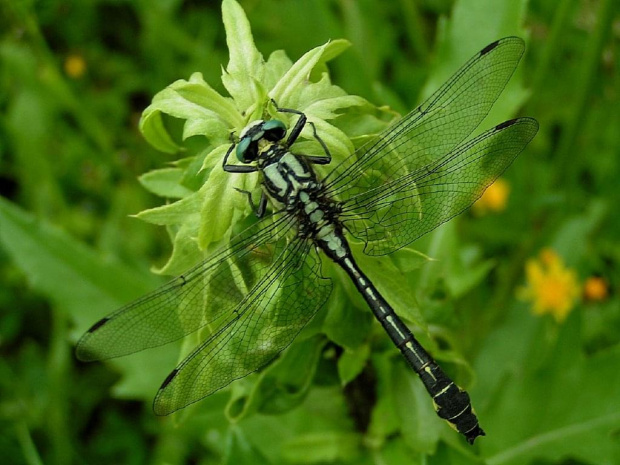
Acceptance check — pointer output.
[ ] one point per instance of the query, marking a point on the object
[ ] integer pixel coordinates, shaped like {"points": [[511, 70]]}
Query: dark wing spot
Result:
{"points": [[169, 379], [98, 325], [489, 47], [505, 124]]}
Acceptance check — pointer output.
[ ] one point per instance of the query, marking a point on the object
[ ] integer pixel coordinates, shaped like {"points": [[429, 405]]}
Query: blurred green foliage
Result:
{"points": [[74, 79]]}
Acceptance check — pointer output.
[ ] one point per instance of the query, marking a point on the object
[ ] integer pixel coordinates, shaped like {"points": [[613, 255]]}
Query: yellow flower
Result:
{"points": [[551, 287], [75, 66], [595, 289], [493, 199]]}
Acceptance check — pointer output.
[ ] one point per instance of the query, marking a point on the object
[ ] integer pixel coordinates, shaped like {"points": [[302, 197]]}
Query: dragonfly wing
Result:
{"points": [[392, 215], [263, 324], [206, 294], [433, 129]]}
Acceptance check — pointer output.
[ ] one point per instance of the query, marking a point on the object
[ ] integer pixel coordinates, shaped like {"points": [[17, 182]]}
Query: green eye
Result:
{"points": [[274, 129], [242, 149], [274, 124]]}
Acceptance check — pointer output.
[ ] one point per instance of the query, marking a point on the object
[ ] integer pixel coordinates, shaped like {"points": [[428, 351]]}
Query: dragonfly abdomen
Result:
{"points": [[451, 402]]}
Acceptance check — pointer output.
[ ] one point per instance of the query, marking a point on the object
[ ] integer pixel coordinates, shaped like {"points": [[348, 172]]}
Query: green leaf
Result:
{"points": [[153, 129], [182, 211], [549, 401], [419, 423], [319, 93], [239, 450], [277, 65], [407, 259], [246, 65], [384, 421], [198, 92], [55, 263], [285, 92], [352, 362], [324, 410], [573, 237], [467, 32], [185, 251], [345, 324], [334, 48], [165, 182], [390, 283], [222, 207], [285, 383], [454, 452], [322, 447], [192, 216], [460, 268], [328, 108], [85, 286], [463, 273], [187, 101], [396, 452]]}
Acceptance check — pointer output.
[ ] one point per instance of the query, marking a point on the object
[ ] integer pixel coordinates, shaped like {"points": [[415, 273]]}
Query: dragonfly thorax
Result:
{"points": [[285, 175], [290, 180]]}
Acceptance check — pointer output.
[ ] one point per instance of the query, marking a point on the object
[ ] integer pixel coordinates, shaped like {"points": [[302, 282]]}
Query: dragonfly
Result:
{"points": [[257, 293]]}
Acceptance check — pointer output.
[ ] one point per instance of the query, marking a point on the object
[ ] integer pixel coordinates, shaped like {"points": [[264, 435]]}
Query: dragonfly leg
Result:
{"points": [[319, 160], [236, 168], [301, 122], [262, 203]]}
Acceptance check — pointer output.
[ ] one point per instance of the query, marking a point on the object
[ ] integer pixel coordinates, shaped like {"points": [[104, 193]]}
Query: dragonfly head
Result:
{"points": [[247, 150]]}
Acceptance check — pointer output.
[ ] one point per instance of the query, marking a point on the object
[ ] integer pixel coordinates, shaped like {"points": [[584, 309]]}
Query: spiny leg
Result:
{"points": [[262, 203], [236, 168], [301, 122], [296, 131]]}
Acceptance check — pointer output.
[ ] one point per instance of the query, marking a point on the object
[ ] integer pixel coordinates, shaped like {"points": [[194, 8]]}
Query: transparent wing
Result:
{"points": [[206, 294], [434, 128], [264, 323], [394, 214]]}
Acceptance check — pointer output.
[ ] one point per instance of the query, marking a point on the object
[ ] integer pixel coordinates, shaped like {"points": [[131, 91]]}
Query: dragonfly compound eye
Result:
{"points": [[275, 130], [247, 150]]}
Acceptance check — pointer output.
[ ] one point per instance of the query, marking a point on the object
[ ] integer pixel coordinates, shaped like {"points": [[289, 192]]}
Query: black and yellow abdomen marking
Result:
{"points": [[451, 402]]}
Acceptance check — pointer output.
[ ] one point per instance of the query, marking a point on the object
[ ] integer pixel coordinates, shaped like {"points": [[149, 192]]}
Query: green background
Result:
{"points": [[70, 155]]}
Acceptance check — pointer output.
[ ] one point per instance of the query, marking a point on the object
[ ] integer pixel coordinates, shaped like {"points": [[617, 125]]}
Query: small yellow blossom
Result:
{"points": [[75, 66], [595, 289], [551, 287], [493, 199]]}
